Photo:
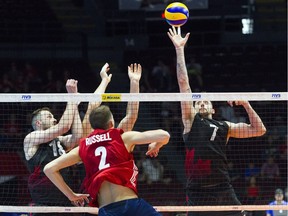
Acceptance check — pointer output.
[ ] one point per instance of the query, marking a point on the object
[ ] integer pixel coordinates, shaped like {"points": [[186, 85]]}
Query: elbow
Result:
{"points": [[258, 131], [262, 131], [48, 169], [166, 137]]}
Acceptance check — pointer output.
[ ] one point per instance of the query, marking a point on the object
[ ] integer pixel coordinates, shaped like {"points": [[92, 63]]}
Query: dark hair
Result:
{"points": [[35, 114], [278, 191], [99, 117]]}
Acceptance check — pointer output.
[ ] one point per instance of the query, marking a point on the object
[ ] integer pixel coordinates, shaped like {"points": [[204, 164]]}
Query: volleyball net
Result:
{"points": [[257, 166]]}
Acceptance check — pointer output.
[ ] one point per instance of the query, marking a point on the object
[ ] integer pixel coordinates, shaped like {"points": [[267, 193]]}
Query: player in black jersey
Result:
{"points": [[205, 139], [45, 144]]}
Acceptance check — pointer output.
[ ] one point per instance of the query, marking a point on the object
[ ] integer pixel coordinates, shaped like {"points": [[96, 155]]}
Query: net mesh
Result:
{"points": [[161, 181]]}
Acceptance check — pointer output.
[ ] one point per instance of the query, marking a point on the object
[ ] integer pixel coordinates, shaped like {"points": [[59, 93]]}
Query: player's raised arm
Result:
{"points": [[72, 140], [105, 79], [43, 133], [157, 138], [187, 108], [243, 130], [128, 122]]}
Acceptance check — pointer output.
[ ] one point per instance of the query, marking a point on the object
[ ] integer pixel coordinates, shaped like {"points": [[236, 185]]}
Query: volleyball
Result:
{"points": [[176, 14]]}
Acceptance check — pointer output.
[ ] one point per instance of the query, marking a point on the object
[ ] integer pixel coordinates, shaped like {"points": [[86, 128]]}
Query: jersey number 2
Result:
{"points": [[101, 151]]}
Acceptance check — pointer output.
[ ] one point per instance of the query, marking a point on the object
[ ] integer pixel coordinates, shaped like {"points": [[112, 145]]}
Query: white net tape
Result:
{"points": [[143, 97], [125, 97]]}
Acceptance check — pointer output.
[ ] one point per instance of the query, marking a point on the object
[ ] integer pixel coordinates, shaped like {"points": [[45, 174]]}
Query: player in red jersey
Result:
{"points": [[111, 174], [126, 171]]}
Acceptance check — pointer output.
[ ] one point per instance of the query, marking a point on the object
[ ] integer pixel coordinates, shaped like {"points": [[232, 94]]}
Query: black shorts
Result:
{"points": [[219, 195]]}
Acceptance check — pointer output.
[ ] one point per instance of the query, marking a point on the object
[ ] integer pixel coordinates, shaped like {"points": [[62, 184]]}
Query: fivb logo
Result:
{"points": [[196, 96], [276, 95], [26, 97]]}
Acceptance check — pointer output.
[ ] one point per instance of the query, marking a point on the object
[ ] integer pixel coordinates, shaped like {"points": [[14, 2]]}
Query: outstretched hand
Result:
{"points": [[71, 86], [238, 103], [153, 150], [79, 199], [104, 71], [134, 72], [176, 37]]}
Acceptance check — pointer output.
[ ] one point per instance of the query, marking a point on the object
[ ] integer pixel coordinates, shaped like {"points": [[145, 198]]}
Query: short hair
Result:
{"points": [[35, 114], [99, 117], [279, 191]]}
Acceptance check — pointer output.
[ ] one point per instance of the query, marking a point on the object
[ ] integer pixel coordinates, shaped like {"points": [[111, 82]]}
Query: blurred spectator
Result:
{"points": [[160, 76], [282, 159], [6, 85], [169, 111], [154, 171], [146, 85], [271, 149], [12, 127], [50, 82], [55, 82], [270, 169], [279, 200], [66, 74], [231, 114], [194, 70], [283, 151], [140, 159], [252, 190], [59, 87], [22, 84], [233, 172], [281, 126], [227, 112], [13, 72], [30, 71], [251, 171], [32, 77]]}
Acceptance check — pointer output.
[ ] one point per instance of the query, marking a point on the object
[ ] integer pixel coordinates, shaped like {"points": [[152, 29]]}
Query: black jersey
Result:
{"points": [[42, 190], [206, 162]]}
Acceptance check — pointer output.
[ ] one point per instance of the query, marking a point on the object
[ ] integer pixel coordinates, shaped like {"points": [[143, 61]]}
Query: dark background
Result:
{"points": [[44, 42]]}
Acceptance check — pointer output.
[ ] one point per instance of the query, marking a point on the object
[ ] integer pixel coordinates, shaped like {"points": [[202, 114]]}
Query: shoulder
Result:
{"points": [[32, 133], [119, 130], [31, 137], [272, 203]]}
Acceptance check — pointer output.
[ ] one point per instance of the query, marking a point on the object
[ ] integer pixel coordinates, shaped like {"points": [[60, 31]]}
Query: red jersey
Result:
{"points": [[106, 159]]}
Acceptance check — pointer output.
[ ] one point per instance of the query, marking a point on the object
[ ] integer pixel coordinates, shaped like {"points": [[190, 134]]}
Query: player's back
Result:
{"points": [[103, 149], [106, 158]]}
